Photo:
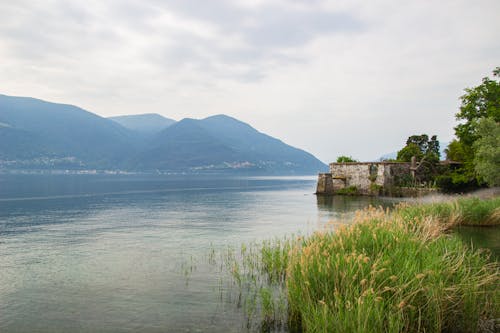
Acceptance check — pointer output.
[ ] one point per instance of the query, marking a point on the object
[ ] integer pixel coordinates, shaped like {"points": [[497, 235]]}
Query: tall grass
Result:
{"points": [[388, 271], [464, 211], [257, 273], [388, 274]]}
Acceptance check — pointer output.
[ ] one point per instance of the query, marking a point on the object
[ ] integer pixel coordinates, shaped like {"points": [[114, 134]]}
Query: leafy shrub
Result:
{"points": [[346, 159], [456, 182], [350, 190], [376, 189]]}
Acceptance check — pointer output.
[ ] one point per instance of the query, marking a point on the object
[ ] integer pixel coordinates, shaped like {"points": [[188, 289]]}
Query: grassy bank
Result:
{"points": [[451, 213], [393, 271]]}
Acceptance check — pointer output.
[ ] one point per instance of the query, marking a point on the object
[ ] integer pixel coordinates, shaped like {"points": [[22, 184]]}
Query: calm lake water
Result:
{"points": [[126, 253]]}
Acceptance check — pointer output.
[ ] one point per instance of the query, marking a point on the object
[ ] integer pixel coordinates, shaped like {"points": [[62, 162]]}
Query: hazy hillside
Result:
{"points": [[33, 127], [17, 143], [258, 147], [183, 145], [37, 134], [224, 143], [145, 124]]}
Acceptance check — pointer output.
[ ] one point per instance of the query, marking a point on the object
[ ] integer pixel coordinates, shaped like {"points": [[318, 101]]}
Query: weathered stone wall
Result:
{"points": [[356, 174], [338, 183], [325, 185], [395, 172], [366, 177]]}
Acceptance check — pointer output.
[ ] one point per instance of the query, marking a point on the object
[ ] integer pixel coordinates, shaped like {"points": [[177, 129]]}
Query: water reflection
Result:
{"points": [[338, 207], [107, 254]]}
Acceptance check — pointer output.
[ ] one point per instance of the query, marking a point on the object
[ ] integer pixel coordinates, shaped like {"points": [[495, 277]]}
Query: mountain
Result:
{"points": [[257, 147], [36, 134], [183, 145], [18, 143], [145, 124], [222, 143], [35, 128]]}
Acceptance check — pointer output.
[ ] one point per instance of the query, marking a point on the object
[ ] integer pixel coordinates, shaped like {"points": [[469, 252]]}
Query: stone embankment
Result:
{"points": [[370, 178]]}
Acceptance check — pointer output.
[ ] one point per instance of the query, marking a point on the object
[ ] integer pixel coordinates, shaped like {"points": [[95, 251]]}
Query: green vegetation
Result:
{"points": [[479, 102], [346, 159], [421, 147], [350, 190], [258, 272], [387, 272], [476, 147], [479, 118], [376, 189], [462, 211], [427, 155], [487, 147]]}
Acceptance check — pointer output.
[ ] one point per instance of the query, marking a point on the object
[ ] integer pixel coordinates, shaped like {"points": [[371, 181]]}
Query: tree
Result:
{"points": [[479, 114], [408, 151], [421, 147], [455, 151], [478, 103], [427, 154], [487, 148]]}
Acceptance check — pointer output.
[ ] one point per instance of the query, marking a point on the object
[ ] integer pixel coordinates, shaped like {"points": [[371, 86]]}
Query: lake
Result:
{"points": [[113, 253]]}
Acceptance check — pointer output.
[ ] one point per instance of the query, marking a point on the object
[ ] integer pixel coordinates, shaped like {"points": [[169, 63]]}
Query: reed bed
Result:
{"points": [[470, 211], [388, 271]]}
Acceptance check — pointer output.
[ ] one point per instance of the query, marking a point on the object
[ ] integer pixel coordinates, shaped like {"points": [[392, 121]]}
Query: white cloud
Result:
{"points": [[334, 78]]}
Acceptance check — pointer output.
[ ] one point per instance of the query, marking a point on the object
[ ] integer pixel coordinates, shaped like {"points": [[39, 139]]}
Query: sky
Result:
{"points": [[331, 77]]}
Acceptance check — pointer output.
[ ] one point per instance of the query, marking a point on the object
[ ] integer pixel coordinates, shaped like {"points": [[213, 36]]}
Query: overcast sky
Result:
{"points": [[331, 77]]}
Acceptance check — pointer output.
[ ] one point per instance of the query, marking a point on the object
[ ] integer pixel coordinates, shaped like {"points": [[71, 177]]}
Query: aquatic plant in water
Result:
{"points": [[388, 271]]}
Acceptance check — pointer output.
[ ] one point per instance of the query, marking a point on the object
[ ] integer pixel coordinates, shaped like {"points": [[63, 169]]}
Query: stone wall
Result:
{"points": [[325, 184], [368, 177]]}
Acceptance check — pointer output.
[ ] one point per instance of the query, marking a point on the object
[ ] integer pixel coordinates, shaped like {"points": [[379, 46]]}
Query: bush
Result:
{"points": [[456, 182], [350, 190], [346, 159], [376, 189]]}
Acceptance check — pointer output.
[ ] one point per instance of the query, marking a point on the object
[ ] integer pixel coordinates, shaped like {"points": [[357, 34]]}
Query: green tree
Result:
{"points": [[479, 110], [408, 151], [421, 147], [455, 151], [487, 148], [427, 154], [479, 102]]}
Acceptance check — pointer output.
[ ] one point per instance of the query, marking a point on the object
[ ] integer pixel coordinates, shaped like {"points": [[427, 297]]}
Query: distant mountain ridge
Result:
{"points": [[221, 142], [57, 130], [35, 134], [148, 123]]}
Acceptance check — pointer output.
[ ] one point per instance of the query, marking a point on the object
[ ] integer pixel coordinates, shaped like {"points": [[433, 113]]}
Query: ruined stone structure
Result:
{"points": [[368, 178]]}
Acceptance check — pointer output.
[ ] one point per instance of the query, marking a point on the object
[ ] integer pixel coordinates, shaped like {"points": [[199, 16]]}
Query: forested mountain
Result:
{"points": [[35, 128], [36, 134], [221, 142]]}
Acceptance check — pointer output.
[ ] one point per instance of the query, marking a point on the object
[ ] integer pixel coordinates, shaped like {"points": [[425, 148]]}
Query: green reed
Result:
{"points": [[393, 271]]}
